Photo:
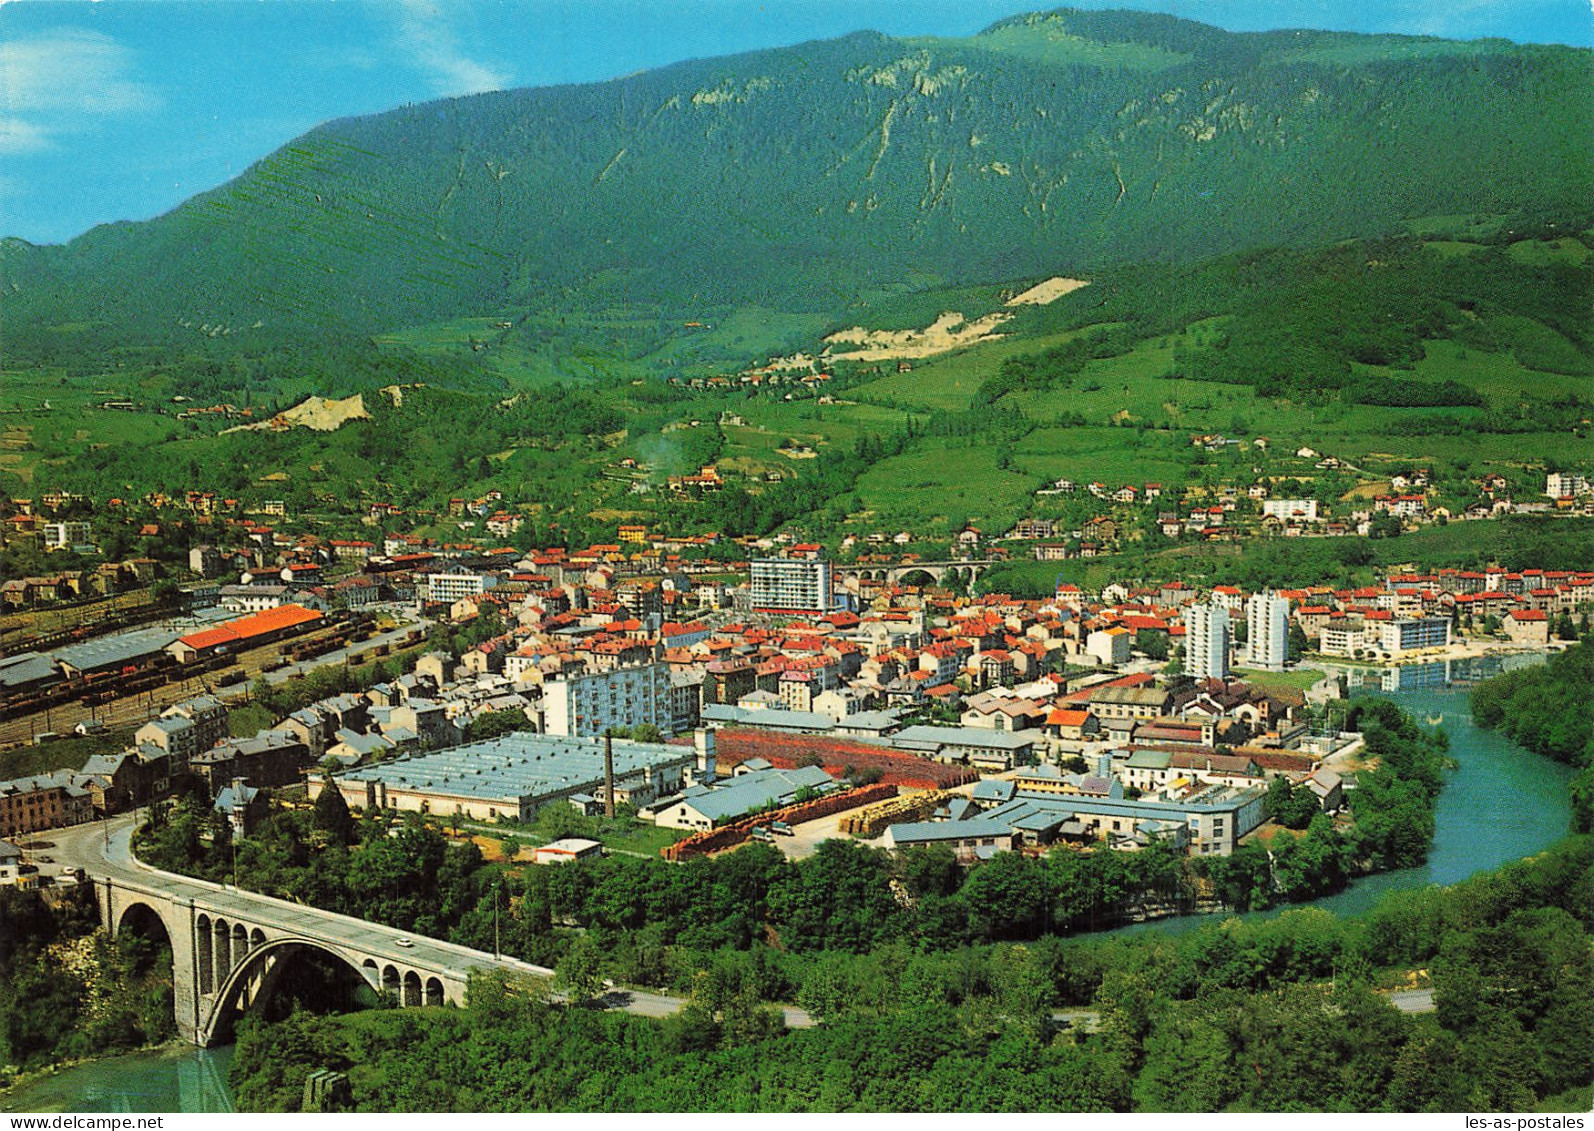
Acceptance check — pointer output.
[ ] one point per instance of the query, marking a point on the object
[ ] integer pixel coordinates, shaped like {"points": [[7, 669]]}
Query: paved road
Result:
{"points": [[1407, 1001]]}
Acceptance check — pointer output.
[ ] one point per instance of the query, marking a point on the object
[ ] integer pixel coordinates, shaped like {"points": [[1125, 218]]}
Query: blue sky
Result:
{"points": [[124, 108]]}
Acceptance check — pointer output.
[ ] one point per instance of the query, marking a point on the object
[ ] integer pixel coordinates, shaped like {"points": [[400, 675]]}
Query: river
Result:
{"points": [[1500, 804], [176, 1079]]}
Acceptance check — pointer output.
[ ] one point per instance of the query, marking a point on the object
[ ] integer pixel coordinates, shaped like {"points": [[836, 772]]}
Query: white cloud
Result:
{"points": [[77, 72], [19, 136], [1450, 18], [63, 82], [427, 35]]}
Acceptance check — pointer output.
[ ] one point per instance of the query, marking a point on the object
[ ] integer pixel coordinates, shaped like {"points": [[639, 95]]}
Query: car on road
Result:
{"points": [[404, 942]]}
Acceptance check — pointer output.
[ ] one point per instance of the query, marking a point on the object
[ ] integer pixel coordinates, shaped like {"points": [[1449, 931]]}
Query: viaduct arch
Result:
{"points": [[230, 949], [968, 571]]}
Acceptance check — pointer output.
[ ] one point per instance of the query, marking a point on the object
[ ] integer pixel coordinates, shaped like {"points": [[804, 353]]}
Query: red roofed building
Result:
{"points": [[245, 632], [1072, 724], [1528, 626]]}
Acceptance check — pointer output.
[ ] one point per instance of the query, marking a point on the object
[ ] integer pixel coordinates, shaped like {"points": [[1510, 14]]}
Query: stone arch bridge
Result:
{"points": [[230, 947], [967, 571]]}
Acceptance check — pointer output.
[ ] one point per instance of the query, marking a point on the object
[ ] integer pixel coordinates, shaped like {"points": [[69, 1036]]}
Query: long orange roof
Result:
{"points": [[256, 624]]}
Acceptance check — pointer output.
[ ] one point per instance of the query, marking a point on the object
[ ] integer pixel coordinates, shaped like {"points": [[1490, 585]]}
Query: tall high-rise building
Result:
{"points": [[787, 585], [1206, 641], [1267, 631]]}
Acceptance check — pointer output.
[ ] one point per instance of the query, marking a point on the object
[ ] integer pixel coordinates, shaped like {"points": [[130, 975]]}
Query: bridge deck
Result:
{"points": [[102, 857]]}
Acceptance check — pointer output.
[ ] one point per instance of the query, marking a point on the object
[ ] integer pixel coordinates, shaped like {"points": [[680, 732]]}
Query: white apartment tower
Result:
{"points": [[1206, 642], [1267, 623], [788, 585], [586, 705]]}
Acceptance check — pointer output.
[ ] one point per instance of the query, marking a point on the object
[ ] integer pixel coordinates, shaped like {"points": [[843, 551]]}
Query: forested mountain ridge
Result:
{"points": [[805, 177]]}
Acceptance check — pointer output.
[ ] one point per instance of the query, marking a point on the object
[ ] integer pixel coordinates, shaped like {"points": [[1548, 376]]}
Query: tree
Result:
{"points": [[1384, 525], [493, 724], [332, 814], [1153, 643], [1007, 897], [1298, 642], [579, 974], [1582, 793], [1293, 807]]}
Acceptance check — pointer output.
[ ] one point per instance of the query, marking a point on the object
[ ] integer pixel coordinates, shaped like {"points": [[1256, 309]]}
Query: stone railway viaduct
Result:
{"points": [[967, 571]]}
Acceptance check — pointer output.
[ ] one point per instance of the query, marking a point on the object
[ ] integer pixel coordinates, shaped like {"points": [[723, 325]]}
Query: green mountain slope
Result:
{"points": [[805, 178], [1459, 355]]}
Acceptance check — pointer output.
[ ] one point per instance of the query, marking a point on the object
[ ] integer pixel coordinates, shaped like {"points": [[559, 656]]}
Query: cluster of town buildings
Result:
{"points": [[1269, 508], [581, 645]]}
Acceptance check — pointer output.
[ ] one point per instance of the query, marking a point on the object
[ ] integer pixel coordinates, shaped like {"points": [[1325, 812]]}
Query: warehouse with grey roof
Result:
{"points": [[513, 776]]}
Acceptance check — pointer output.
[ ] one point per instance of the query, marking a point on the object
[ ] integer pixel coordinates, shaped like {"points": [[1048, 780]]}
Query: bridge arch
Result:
{"points": [[229, 954], [221, 947], [254, 979], [150, 925], [138, 914], [204, 954]]}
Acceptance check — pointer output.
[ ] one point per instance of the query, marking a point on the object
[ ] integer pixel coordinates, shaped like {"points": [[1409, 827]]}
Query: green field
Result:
{"points": [[1115, 456], [733, 339], [1499, 376], [1523, 543], [55, 418], [1269, 681], [62, 754], [1538, 253], [1050, 44], [947, 382], [945, 486]]}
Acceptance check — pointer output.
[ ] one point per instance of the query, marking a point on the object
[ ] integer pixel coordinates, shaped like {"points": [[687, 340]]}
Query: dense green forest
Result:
{"points": [[1272, 1015], [1308, 324], [68, 991], [1550, 711], [858, 164]]}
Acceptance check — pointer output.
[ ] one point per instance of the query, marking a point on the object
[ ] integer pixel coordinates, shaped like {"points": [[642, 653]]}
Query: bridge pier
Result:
{"points": [[177, 917]]}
